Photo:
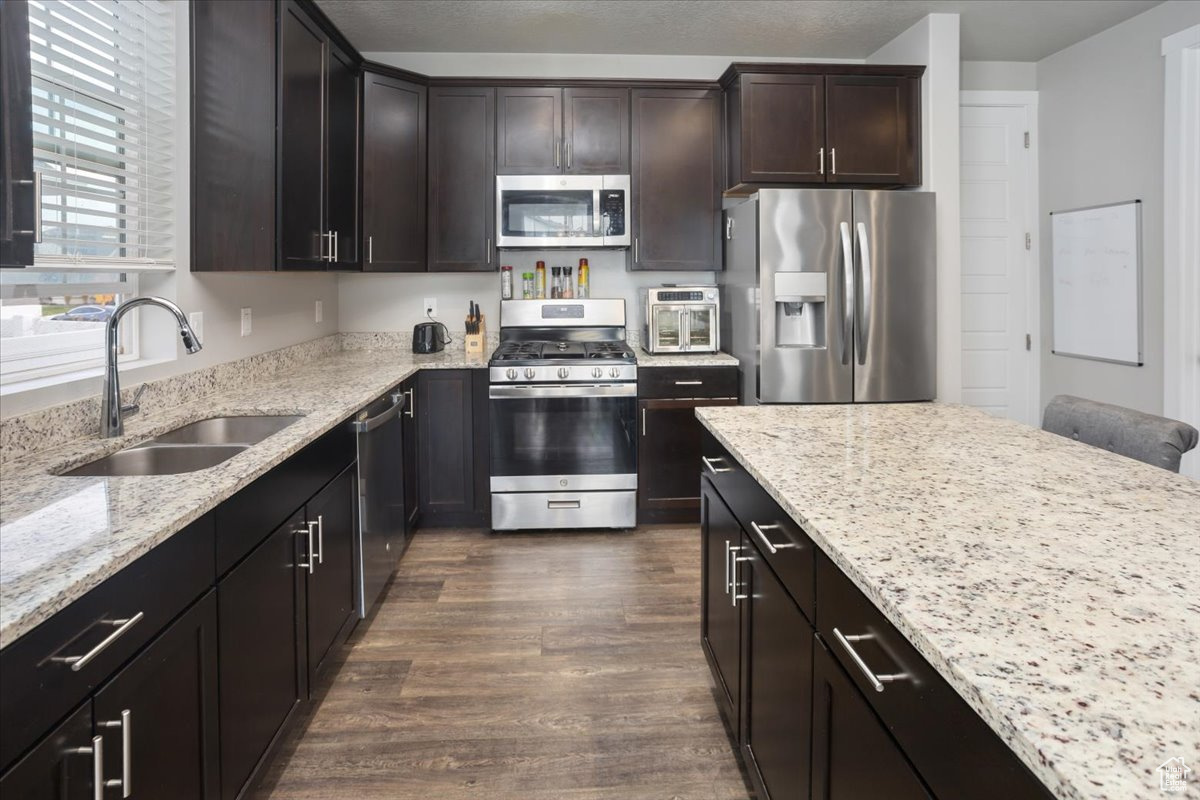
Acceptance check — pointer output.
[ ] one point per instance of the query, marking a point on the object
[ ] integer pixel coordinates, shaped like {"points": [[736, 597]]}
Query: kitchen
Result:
{"points": [[327, 549]]}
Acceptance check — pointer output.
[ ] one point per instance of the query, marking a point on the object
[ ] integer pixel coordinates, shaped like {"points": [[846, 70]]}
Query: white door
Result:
{"points": [[998, 271]]}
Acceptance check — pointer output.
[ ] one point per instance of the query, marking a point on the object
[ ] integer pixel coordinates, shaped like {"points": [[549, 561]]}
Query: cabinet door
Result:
{"points": [[260, 636], [17, 196], [341, 158], [462, 179], [782, 129], [529, 130], [845, 732], [59, 767], [596, 131], [676, 178], [393, 175], [233, 136], [668, 453], [776, 682], [446, 439], [163, 708], [412, 498], [720, 619], [331, 595], [302, 134], [873, 129]]}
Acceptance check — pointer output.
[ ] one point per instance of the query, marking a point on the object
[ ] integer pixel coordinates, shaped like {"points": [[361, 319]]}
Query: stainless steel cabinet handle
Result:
{"points": [[488, 247], [557, 152], [726, 566], [735, 560], [125, 723], [876, 681], [562, 504], [771, 547], [864, 324], [123, 625], [311, 564], [317, 526], [97, 751], [833, 161], [821, 161], [568, 143], [729, 228], [635, 249], [36, 183], [411, 401], [370, 249], [729, 556], [643, 422], [708, 462], [847, 292], [689, 383], [337, 242]]}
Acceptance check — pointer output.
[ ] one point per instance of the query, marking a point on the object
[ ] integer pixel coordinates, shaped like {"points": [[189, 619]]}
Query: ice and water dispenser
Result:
{"points": [[800, 309]]}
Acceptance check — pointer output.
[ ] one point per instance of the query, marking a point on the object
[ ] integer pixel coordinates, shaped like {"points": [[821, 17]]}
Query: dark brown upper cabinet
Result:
{"points": [[318, 147], [873, 129], [676, 179], [551, 130], [529, 130], [462, 179], [393, 174], [805, 124], [18, 192]]}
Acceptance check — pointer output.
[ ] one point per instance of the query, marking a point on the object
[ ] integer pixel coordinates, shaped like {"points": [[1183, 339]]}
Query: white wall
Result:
{"points": [[1101, 125], [934, 42], [394, 302], [1012, 76], [282, 304]]}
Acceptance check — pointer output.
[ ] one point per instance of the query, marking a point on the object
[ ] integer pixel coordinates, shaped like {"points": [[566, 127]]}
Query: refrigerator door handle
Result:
{"points": [[847, 292], [864, 326]]}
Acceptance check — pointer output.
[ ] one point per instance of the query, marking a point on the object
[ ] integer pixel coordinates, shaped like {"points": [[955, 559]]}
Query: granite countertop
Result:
{"points": [[645, 359], [1051, 583], [62, 536]]}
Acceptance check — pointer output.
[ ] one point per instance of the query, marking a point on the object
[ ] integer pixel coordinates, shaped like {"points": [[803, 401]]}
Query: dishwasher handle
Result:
{"points": [[393, 411]]}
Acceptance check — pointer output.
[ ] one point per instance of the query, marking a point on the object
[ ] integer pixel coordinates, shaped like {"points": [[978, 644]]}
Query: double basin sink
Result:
{"points": [[192, 447]]}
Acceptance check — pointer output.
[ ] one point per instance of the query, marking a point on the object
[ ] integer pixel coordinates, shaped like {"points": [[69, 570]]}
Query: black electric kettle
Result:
{"points": [[429, 337]]}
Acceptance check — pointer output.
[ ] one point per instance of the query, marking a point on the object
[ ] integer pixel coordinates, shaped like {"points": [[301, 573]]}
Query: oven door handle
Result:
{"points": [[558, 390]]}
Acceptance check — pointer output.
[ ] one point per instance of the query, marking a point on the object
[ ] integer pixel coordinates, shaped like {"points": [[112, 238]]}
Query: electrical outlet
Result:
{"points": [[246, 322], [431, 307], [196, 320], [320, 311]]}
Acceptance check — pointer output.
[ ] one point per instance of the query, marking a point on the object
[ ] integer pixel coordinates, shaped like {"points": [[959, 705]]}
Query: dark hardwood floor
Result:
{"points": [[533, 666]]}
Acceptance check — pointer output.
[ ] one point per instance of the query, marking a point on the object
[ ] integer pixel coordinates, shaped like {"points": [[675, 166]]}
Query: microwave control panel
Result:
{"points": [[612, 210]]}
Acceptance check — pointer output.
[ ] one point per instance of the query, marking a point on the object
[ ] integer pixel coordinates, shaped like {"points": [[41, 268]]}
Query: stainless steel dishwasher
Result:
{"points": [[380, 495]]}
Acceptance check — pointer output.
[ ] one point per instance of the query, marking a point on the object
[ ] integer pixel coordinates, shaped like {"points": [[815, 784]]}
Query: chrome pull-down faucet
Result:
{"points": [[112, 413]]}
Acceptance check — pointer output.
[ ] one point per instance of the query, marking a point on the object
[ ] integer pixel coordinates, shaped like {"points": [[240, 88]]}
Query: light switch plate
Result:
{"points": [[246, 322], [320, 311], [430, 307], [196, 320]]}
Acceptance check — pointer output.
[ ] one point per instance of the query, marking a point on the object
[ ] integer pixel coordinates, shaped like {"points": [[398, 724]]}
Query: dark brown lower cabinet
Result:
{"points": [[329, 584], [261, 640], [58, 768], [777, 645], [452, 415], [720, 620], [853, 755], [163, 708], [668, 451], [408, 430]]}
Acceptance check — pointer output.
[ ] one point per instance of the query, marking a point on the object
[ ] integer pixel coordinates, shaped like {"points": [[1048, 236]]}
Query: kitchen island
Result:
{"points": [[1044, 580]]}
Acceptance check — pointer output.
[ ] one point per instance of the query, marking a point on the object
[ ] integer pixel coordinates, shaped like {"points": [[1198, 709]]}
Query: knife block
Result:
{"points": [[473, 343]]}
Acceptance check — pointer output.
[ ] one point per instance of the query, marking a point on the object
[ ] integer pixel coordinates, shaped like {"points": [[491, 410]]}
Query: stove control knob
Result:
{"points": [[529, 373], [597, 372], [510, 373], [615, 372], [563, 372]]}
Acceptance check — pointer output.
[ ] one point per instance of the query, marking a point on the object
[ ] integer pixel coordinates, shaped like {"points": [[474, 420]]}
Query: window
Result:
{"points": [[104, 139]]}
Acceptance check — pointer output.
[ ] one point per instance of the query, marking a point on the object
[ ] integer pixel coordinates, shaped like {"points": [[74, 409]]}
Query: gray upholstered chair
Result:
{"points": [[1155, 440]]}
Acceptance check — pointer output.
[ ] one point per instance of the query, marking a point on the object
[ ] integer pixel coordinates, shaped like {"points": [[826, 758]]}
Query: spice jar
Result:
{"points": [[506, 283]]}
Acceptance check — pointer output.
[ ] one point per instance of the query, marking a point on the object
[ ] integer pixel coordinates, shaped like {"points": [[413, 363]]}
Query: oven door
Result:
{"points": [[548, 211], [554, 438]]}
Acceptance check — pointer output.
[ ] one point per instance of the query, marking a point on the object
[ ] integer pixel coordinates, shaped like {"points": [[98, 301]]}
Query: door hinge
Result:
{"points": [[1026, 140], [1028, 342], [1028, 241]]}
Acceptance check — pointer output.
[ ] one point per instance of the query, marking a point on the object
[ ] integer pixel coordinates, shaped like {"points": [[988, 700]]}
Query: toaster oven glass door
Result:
{"points": [[701, 328]]}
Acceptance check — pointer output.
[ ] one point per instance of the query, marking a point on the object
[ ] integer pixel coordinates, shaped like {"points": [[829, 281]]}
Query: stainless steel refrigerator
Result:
{"points": [[828, 295]]}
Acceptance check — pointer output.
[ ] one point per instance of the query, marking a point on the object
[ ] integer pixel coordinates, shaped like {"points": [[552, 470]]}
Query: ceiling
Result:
{"points": [[992, 30]]}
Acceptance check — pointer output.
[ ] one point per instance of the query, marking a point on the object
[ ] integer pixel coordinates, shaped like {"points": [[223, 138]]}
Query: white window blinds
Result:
{"points": [[104, 130]]}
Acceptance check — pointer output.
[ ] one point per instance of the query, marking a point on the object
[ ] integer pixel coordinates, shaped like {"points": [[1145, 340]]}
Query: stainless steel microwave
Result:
{"points": [[681, 319], [562, 211]]}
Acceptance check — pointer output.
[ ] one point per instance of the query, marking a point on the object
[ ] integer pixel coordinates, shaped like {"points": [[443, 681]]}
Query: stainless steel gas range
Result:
{"points": [[563, 398]]}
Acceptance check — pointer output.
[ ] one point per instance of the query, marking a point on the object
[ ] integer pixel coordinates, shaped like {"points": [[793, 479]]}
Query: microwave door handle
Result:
{"points": [[597, 231]]}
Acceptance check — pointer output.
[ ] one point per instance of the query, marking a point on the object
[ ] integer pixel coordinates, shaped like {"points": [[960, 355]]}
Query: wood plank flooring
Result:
{"points": [[533, 666]]}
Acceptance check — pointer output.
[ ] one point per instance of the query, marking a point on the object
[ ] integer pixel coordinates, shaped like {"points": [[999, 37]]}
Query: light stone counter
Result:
{"points": [[1052, 584], [60, 536], [645, 359]]}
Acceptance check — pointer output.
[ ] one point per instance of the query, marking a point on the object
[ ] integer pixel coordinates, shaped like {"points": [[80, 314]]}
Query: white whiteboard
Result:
{"points": [[1097, 282]]}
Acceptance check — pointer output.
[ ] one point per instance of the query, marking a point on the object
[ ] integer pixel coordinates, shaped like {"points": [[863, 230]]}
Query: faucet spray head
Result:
{"points": [[190, 341]]}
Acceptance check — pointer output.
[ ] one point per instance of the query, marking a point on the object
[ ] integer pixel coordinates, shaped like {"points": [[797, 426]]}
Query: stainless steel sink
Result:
{"points": [[160, 459], [228, 430]]}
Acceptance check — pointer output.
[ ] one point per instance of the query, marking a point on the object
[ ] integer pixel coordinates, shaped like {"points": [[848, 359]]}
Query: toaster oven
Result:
{"points": [[681, 319]]}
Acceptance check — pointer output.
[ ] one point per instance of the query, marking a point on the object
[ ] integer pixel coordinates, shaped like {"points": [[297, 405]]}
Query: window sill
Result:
{"points": [[128, 370]]}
